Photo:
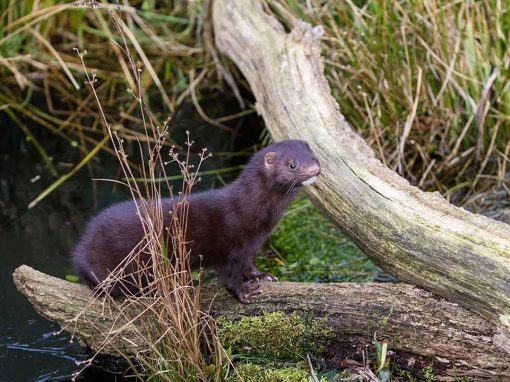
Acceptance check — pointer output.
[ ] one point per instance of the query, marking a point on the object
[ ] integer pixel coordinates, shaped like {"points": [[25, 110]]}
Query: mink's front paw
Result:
{"points": [[248, 289]]}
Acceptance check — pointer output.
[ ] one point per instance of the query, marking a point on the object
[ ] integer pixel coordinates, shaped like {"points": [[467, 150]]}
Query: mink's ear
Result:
{"points": [[270, 159]]}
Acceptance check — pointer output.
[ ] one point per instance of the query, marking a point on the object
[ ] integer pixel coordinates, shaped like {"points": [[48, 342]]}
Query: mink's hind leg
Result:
{"points": [[231, 275]]}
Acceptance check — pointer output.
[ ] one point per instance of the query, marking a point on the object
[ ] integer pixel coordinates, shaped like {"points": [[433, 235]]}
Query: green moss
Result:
{"points": [[306, 246], [250, 372], [274, 335]]}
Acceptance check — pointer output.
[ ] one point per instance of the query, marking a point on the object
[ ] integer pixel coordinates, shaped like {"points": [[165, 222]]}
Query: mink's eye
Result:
{"points": [[292, 165]]}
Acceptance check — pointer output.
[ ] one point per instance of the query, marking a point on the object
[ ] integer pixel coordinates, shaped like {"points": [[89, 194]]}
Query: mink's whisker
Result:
{"points": [[291, 188]]}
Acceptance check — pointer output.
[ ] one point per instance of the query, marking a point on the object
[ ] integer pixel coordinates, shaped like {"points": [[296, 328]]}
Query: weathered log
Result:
{"points": [[421, 329], [416, 236]]}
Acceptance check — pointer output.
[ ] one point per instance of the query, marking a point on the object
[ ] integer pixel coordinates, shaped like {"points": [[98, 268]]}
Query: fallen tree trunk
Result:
{"points": [[418, 237], [421, 329]]}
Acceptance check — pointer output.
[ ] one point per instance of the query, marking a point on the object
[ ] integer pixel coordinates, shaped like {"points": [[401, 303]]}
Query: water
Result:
{"points": [[41, 238], [31, 348]]}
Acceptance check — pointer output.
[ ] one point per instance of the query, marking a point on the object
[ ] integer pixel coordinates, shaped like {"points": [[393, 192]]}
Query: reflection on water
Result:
{"points": [[39, 356]]}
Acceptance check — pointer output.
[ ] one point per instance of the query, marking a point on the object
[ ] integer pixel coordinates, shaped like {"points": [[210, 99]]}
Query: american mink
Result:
{"points": [[226, 226]]}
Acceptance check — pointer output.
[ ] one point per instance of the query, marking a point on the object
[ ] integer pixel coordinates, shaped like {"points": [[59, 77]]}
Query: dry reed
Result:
{"points": [[172, 338]]}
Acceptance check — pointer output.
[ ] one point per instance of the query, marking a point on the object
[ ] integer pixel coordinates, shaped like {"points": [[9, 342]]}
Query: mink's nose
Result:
{"points": [[314, 169]]}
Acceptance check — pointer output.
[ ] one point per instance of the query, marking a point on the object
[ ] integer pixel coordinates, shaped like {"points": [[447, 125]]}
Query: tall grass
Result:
{"points": [[40, 71], [426, 82]]}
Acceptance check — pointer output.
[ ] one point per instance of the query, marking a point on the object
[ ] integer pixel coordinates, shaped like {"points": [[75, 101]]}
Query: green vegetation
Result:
{"points": [[249, 372], [382, 360], [307, 247], [275, 335], [428, 374], [273, 347]]}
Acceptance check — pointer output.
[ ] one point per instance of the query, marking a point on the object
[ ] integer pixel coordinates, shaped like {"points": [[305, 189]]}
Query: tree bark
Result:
{"points": [[421, 329], [416, 236]]}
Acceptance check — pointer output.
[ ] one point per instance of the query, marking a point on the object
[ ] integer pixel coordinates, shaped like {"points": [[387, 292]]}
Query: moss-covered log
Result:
{"points": [[421, 329], [418, 237]]}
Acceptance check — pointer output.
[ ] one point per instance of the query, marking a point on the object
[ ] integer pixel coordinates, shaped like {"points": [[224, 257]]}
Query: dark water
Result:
{"points": [[31, 349], [42, 237]]}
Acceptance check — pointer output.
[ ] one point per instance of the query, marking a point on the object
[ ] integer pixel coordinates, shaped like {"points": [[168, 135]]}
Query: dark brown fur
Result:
{"points": [[226, 227]]}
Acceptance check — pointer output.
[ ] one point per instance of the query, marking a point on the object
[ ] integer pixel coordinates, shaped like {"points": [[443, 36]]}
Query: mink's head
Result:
{"points": [[290, 164]]}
